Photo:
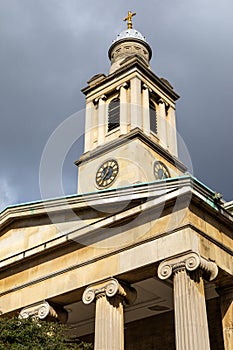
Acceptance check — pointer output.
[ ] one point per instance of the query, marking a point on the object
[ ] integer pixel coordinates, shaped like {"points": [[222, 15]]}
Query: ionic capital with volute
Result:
{"points": [[162, 101], [124, 85], [146, 87], [190, 262], [109, 288], [44, 311], [97, 99]]}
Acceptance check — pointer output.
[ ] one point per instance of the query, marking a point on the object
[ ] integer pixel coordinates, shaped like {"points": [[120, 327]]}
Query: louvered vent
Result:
{"points": [[153, 117], [114, 114]]}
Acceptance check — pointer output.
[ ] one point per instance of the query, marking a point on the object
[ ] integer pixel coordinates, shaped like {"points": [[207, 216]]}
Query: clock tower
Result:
{"points": [[130, 121]]}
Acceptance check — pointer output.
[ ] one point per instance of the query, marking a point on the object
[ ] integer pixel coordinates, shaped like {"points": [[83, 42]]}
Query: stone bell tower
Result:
{"points": [[130, 122]]}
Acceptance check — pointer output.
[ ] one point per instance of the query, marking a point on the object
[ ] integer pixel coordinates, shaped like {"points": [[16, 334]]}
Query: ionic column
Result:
{"points": [[109, 317], [226, 300], [123, 108], [44, 311], [162, 124], [191, 326], [101, 119], [146, 109], [135, 102]]}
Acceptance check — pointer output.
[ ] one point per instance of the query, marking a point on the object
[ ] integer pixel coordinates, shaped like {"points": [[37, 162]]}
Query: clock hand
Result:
{"points": [[105, 173]]}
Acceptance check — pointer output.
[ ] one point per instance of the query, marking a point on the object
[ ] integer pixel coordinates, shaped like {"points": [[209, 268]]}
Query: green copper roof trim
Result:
{"points": [[210, 201]]}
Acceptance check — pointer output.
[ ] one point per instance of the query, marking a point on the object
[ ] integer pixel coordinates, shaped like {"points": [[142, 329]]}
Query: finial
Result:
{"points": [[129, 19]]}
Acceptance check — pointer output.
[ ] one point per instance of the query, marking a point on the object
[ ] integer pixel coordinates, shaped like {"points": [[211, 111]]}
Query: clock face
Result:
{"points": [[107, 173], [161, 171]]}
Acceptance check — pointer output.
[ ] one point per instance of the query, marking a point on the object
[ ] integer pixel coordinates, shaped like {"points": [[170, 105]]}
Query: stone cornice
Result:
{"points": [[133, 134], [137, 63], [143, 191]]}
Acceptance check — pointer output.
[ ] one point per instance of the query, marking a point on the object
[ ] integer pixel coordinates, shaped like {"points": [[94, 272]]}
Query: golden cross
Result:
{"points": [[129, 19]]}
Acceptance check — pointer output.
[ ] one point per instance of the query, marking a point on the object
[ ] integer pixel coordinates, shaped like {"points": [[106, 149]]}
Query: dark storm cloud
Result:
{"points": [[49, 49]]}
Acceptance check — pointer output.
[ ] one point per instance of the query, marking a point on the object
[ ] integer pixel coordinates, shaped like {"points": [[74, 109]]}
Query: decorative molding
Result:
{"points": [[136, 133], [190, 262], [135, 64], [109, 288]]}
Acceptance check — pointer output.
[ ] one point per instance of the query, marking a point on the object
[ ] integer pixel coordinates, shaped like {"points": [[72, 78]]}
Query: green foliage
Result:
{"points": [[31, 334]]}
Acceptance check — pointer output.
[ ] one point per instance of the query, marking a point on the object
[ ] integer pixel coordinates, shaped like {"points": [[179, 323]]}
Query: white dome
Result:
{"points": [[130, 33]]}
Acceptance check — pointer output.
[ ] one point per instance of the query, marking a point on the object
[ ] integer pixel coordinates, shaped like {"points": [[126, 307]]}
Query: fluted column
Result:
{"points": [[109, 318], [44, 311], [123, 108], [191, 326], [146, 109], [162, 124], [226, 300], [101, 119]]}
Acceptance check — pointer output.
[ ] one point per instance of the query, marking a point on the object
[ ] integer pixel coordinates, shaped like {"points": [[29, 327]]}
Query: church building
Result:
{"points": [[141, 257]]}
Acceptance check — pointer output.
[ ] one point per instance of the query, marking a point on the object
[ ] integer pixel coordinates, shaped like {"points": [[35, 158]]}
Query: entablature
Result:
{"points": [[102, 208]]}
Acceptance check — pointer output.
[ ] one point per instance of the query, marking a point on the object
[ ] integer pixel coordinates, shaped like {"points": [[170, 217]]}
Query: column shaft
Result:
{"points": [[109, 327], [190, 311]]}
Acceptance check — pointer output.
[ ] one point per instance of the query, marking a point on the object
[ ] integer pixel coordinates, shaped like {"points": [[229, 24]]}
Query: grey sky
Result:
{"points": [[50, 48]]}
